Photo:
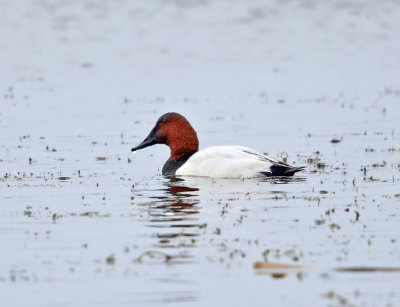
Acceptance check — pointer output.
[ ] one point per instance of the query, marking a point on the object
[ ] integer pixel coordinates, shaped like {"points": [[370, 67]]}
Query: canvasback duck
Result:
{"points": [[186, 159]]}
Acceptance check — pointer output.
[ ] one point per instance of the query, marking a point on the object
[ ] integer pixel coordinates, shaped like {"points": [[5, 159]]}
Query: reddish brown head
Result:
{"points": [[174, 130]]}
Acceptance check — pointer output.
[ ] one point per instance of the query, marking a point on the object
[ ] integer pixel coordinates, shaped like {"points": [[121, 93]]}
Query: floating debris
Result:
{"points": [[110, 260], [275, 265], [64, 178], [154, 255], [367, 269], [335, 141]]}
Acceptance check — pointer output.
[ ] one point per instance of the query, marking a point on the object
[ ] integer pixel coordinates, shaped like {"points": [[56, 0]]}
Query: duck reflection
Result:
{"points": [[174, 211], [175, 215]]}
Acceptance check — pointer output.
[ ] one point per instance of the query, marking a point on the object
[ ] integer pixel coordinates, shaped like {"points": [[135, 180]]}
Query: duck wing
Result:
{"points": [[278, 168]]}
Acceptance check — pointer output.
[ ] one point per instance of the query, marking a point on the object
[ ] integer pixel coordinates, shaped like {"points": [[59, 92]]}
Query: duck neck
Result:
{"points": [[183, 146], [181, 153]]}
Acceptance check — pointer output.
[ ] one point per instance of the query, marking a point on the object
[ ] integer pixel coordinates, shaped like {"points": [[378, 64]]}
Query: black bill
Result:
{"points": [[149, 141]]}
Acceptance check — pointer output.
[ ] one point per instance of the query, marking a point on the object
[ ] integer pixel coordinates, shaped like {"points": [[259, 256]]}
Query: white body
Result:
{"points": [[226, 162]]}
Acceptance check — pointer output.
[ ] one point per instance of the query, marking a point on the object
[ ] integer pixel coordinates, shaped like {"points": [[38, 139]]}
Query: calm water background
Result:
{"points": [[85, 222]]}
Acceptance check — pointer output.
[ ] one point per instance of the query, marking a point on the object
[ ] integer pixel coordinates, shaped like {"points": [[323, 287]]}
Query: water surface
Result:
{"points": [[84, 221]]}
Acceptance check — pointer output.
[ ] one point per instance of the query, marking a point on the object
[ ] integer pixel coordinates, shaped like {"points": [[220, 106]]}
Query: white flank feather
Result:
{"points": [[226, 162]]}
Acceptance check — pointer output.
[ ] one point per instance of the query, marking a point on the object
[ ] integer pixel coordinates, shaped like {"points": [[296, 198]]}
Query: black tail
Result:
{"points": [[283, 170]]}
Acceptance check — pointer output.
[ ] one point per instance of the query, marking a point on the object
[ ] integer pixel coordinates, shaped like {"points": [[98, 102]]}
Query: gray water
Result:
{"points": [[83, 221]]}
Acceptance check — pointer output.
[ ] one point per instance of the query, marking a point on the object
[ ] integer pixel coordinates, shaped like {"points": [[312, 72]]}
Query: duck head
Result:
{"points": [[174, 130]]}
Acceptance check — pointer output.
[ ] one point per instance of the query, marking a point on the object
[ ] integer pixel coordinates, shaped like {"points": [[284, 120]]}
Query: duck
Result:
{"points": [[227, 161]]}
